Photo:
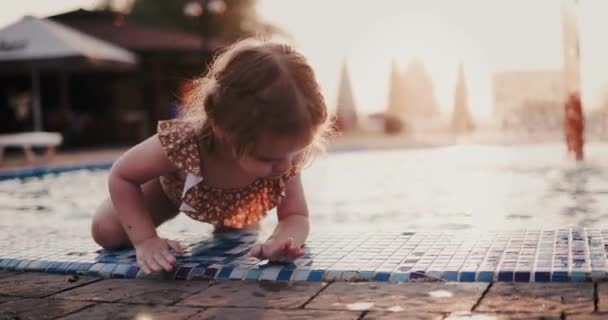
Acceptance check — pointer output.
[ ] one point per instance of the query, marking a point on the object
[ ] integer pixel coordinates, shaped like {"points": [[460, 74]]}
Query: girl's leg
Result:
{"points": [[106, 228]]}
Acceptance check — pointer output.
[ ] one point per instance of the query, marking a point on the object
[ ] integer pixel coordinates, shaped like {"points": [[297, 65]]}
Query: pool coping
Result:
{"points": [[39, 171]]}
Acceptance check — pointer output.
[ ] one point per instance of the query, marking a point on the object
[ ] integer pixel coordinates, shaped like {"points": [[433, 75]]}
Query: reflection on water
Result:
{"points": [[462, 187]]}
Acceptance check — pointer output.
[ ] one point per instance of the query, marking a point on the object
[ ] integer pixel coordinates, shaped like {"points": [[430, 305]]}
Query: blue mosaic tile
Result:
{"points": [[366, 275], [132, 272], [120, 271], [197, 273], [284, 275], [41, 171], [399, 277], [315, 276], [559, 276], [22, 266], [467, 276], [521, 276], [225, 273], [10, 264], [418, 275], [83, 268], [53, 267], [382, 276], [579, 276], [485, 276], [5, 262], [254, 274], [210, 273], [95, 269], [505, 276], [238, 273], [542, 276], [301, 275], [450, 276], [38, 265]]}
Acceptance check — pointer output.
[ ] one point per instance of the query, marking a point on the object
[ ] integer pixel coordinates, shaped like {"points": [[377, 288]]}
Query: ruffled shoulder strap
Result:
{"points": [[180, 144], [294, 171]]}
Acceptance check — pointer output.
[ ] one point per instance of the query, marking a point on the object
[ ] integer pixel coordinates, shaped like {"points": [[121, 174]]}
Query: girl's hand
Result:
{"points": [[154, 254], [277, 251]]}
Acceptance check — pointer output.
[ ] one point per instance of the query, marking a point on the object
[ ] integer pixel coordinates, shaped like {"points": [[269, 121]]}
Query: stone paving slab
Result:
{"points": [[387, 315], [39, 309], [538, 298], [38, 285], [117, 311], [489, 316], [135, 291], [589, 316], [299, 300], [5, 274], [439, 297], [4, 299], [602, 295], [253, 313], [255, 294]]}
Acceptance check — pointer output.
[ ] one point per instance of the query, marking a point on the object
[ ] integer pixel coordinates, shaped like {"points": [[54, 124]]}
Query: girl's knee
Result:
{"points": [[108, 233]]}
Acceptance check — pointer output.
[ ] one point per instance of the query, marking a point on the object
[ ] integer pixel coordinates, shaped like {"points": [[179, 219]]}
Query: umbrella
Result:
{"points": [[34, 44]]}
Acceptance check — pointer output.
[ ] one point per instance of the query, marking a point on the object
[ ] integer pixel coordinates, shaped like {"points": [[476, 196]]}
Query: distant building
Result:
{"points": [[531, 99], [346, 112]]}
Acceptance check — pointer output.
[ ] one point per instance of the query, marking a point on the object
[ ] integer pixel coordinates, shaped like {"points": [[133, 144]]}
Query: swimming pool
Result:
{"points": [[463, 213], [446, 188]]}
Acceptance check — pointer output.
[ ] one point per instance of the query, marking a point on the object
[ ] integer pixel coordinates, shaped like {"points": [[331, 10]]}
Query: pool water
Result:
{"points": [[446, 188]]}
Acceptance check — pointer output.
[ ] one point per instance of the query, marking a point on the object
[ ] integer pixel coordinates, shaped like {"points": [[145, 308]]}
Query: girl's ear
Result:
{"points": [[217, 132], [222, 136]]}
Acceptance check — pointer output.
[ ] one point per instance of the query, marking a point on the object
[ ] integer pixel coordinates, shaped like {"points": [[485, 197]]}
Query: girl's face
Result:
{"points": [[274, 155]]}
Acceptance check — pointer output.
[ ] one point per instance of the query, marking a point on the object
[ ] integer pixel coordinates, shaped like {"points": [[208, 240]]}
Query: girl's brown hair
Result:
{"points": [[255, 87]]}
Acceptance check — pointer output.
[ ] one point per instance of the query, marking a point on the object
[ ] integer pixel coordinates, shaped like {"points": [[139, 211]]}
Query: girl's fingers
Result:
{"points": [[160, 259], [143, 265], [176, 246], [146, 269], [256, 251], [153, 265], [168, 256], [280, 258], [288, 244], [294, 254]]}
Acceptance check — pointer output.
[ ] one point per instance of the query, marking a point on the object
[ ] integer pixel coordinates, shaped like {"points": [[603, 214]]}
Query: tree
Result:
{"points": [[461, 117], [346, 114], [396, 108], [419, 91], [227, 20], [396, 101]]}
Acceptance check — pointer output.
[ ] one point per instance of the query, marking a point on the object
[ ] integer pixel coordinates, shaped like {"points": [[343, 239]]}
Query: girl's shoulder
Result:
{"points": [[178, 139]]}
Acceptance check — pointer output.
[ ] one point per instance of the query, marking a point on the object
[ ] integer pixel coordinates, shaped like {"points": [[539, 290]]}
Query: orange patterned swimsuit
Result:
{"points": [[235, 208]]}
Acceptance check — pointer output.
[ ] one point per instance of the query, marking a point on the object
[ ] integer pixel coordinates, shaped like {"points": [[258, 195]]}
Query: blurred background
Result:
{"points": [[476, 104], [426, 70]]}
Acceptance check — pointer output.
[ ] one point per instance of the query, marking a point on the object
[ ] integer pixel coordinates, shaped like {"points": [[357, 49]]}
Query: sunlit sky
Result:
{"points": [[486, 35]]}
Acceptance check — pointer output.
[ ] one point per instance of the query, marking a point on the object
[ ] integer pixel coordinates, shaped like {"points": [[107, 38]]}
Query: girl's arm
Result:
{"points": [[140, 164], [292, 231], [135, 167]]}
